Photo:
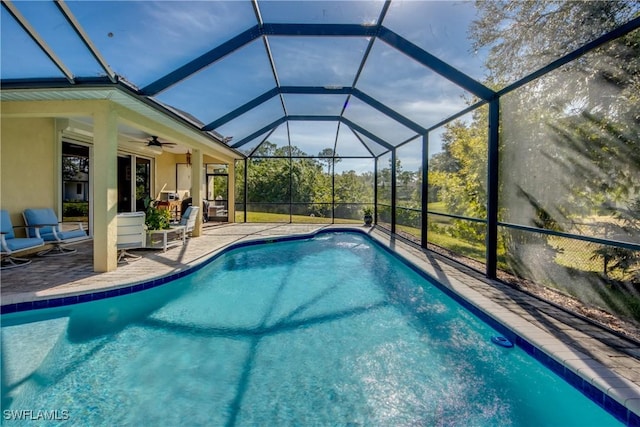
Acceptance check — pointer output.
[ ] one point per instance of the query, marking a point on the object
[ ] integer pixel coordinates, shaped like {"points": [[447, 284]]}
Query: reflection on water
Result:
{"points": [[321, 332]]}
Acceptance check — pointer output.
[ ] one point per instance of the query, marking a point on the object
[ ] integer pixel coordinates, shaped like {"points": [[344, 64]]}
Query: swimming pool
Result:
{"points": [[330, 330]]}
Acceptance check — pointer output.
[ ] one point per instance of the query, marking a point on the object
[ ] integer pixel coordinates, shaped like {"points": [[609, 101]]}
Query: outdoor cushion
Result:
{"points": [[47, 221], [10, 244], [5, 225], [20, 243], [41, 217], [65, 235], [188, 219]]}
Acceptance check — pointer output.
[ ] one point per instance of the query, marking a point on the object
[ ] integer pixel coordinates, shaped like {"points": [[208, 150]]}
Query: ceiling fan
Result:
{"points": [[155, 142]]}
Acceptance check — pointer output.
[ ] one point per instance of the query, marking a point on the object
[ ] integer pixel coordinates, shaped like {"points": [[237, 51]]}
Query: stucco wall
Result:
{"points": [[28, 165], [165, 176], [28, 171]]}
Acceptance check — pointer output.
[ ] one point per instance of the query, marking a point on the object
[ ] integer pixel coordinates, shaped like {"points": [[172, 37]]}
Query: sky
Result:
{"points": [[144, 40]]}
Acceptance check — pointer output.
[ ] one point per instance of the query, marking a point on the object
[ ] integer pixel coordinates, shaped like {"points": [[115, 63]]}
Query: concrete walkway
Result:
{"points": [[611, 363]]}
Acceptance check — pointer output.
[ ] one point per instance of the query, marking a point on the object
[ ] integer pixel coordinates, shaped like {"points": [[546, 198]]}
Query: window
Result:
{"points": [[75, 182], [143, 182], [217, 179]]}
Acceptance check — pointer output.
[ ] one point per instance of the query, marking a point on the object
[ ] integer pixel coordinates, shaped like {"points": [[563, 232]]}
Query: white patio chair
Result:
{"points": [[132, 234]]}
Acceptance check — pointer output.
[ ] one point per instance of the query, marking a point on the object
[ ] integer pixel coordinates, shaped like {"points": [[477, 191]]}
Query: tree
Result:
{"points": [[569, 139], [525, 36], [459, 173], [351, 191], [268, 177], [283, 175], [328, 157]]}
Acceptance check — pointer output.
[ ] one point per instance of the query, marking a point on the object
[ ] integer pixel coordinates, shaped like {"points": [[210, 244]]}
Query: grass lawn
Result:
{"points": [[458, 246], [576, 256], [285, 218], [437, 207], [437, 219], [467, 249]]}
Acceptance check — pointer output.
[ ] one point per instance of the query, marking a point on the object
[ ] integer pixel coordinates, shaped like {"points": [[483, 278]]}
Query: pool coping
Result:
{"points": [[610, 390]]}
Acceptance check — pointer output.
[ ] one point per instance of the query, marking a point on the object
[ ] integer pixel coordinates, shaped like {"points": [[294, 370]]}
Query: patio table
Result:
{"points": [[164, 242]]}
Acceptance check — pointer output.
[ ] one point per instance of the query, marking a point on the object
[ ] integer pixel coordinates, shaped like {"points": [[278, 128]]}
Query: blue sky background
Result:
{"points": [[144, 40]]}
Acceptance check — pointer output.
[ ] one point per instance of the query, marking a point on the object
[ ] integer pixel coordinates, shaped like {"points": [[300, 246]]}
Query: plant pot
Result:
{"points": [[368, 220]]}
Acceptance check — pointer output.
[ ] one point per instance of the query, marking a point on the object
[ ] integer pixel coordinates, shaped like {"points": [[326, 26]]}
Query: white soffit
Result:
{"points": [[118, 97]]}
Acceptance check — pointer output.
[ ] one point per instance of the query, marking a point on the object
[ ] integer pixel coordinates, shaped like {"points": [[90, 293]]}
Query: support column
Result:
{"points": [[333, 189], [425, 190], [394, 182], [246, 188], [492, 190], [231, 192], [105, 189], [375, 191], [197, 172]]}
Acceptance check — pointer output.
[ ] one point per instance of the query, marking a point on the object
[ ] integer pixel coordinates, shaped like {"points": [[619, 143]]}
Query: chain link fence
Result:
{"points": [[610, 260]]}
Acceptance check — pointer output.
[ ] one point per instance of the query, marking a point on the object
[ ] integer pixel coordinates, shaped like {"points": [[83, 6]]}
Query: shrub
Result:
{"points": [[156, 219]]}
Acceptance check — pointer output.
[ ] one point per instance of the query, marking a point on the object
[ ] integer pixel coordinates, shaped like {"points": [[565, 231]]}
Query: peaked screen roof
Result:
{"points": [[358, 77]]}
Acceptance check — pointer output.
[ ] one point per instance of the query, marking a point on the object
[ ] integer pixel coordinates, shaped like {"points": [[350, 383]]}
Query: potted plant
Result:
{"points": [[156, 219], [368, 216]]}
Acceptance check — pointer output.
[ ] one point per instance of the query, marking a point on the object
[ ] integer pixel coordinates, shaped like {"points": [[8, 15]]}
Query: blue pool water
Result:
{"points": [[328, 331]]}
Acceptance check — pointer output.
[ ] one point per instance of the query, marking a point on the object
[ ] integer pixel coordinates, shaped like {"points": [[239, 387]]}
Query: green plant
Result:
{"points": [[75, 209], [368, 216], [156, 219]]}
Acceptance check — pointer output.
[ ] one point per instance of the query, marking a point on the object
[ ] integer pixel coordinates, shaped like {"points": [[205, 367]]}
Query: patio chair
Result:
{"points": [[132, 234], [205, 208], [43, 223], [10, 244], [188, 220]]}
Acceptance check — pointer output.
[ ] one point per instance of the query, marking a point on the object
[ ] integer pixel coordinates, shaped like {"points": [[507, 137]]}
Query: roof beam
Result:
{"points": [[365, 57], [366, 133], [435, 64], [341, 30], [202, 61], [71, 19], [267, 47], [262, 142], [284, 119], [457, 115], [215, 54], [389, 112], [257, 133], [316, 90], [22, 21], [242, 109], [302, 118], [361, 142]]}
